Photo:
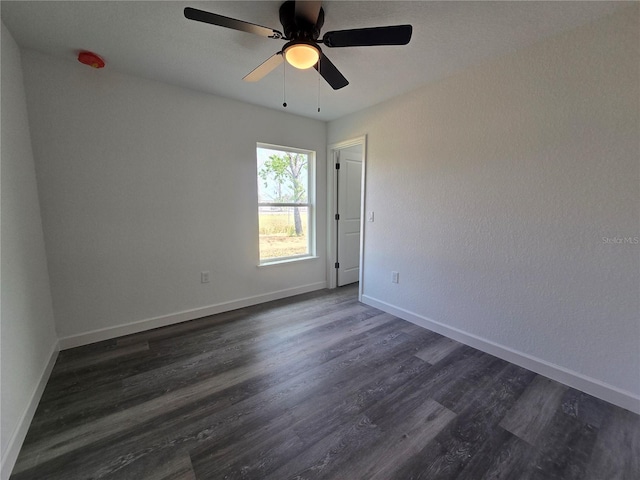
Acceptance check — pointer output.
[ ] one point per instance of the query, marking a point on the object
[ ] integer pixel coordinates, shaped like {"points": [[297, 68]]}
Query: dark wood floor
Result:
{"points": [[315, 387]]}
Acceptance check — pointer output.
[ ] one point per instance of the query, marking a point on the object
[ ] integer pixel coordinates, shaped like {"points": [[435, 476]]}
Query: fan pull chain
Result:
{"points": [[284, 82], [319, 86]]}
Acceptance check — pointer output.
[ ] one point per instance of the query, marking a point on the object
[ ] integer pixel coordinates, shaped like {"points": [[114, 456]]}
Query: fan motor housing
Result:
{"points": [[299, 29]]}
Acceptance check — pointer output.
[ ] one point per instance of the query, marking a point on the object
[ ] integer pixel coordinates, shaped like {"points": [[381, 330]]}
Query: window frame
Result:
{"points": [[310, 205]]}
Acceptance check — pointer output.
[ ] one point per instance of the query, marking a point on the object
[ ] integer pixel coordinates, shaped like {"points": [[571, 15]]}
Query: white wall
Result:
{"points": [[492, 192], [144, 185], [28, 340]]}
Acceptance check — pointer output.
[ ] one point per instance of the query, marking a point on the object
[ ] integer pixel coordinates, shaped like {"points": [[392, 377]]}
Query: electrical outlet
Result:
{"points": [[204, 277], [371, 216], [395, 277]]}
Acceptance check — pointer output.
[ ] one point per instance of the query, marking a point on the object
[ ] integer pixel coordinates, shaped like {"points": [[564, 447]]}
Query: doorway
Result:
{"points": [[346, 210]]}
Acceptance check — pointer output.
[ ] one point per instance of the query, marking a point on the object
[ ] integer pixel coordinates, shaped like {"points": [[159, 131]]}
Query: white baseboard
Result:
{"points": [[15, 443], [173, 318], [592, 386]]}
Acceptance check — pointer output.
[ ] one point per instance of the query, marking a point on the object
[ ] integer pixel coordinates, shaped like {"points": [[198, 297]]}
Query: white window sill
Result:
{"points": [[279, 261]]}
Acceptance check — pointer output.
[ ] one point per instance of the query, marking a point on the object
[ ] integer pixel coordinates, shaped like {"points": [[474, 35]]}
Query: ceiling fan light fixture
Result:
{"points": [[301, 54]]}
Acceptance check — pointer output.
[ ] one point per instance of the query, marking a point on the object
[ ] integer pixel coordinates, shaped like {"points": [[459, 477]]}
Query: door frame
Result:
{"points": [[332, 206]]}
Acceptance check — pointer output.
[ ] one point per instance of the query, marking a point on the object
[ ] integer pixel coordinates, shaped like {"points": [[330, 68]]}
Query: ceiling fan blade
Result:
{"points": [[264, 68], [214, 19], [308, 10], [365, 37], [330, 73]]}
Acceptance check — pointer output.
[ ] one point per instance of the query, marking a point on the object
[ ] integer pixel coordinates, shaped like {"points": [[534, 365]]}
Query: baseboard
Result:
{"points": [[15, 443], [597, 388], [173, 318]]}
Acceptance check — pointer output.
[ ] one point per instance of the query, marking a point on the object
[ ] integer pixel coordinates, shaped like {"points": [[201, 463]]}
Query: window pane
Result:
{"points": [[283, 177], [283, 231]]}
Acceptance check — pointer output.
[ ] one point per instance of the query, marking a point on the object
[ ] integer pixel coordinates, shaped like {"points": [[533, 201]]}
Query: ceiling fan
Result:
{"points": [[301, 22]]}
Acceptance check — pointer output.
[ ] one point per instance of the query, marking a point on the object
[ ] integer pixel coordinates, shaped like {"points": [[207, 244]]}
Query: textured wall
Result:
{"points": [[145, 185], [493, 191], [26, 316]]}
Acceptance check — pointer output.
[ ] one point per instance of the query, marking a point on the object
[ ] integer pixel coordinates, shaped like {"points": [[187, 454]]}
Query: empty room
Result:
{"points": [[320, 240]]}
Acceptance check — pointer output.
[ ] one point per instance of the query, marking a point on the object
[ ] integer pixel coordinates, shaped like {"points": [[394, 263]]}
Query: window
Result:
{"points": [[285, 203]]}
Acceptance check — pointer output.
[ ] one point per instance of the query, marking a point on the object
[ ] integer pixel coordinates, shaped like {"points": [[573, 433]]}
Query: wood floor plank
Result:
{"points": [[438, 349], [246, 323], [149, 385], [315, 386], [171, 467], [352, 349], [504, 457], [471, 382], [451, 451], [115, 353], [381, 411], [342, 412], [584, 407], [212, 335], [399, 440], [104, 427], [271, 410], [565, 452], [182, 369], [616, 453], [345, 396], [534, 410]]}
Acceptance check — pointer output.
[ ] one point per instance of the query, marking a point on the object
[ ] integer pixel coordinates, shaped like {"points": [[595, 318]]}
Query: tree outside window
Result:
{"points": [[284, 210]]}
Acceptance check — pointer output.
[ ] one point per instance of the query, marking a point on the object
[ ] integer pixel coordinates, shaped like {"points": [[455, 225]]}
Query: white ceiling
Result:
{"points": [[153, 40]]}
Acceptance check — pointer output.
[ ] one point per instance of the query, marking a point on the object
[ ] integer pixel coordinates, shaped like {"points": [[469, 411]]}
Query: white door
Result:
{"points": [[348, 220]]}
